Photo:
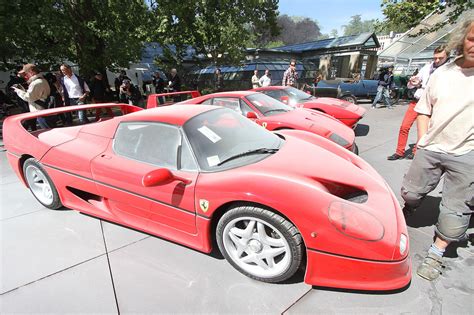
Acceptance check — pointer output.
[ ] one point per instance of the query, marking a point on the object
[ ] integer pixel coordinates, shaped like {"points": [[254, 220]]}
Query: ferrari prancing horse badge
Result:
{"points": [[204, 204]]}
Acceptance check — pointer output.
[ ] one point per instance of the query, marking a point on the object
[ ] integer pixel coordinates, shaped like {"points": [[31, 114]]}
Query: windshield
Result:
{"points": [[220, 134], [267, 105], [297, 95]]}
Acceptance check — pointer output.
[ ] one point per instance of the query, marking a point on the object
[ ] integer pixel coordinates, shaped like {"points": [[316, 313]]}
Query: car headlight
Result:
{"points": [[403, 243], [355, 222], [339, 140]]}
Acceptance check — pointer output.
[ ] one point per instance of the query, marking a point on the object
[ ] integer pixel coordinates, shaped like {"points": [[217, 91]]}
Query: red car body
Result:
{"points": [[350, 225], [347, 112], [245, 102]]}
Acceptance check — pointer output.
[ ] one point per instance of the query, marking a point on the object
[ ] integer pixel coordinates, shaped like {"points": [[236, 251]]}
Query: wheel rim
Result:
{"points": [[349, 99], [39, 184], [257, 247]]}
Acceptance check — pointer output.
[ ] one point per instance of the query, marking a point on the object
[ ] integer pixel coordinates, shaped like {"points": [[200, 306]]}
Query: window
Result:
{"points": [[228, 102], [207, 102], [245, 108], [152, 143]]}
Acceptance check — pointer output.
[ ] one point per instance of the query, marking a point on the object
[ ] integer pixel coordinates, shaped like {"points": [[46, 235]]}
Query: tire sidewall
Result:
{"points": [[56, 203], [275, 221]]}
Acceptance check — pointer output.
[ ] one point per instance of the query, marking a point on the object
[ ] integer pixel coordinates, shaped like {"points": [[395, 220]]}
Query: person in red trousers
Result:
{"points": [[440, 57]]}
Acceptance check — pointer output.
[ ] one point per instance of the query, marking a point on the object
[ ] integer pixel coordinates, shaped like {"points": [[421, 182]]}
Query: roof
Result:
{"points": [[409, 47], [366, 40], [174, 115]]}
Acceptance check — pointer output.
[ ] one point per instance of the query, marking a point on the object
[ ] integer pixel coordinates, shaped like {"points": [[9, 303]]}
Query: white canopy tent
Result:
{"points": [[410, 52]]}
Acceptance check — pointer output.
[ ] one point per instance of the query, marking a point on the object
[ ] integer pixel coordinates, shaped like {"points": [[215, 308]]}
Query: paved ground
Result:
{"points": [[64, 262]]}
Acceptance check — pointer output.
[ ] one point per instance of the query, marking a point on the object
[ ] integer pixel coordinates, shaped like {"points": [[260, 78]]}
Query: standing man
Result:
{"points": [[118, 82], [446, 147], [218, 81], [37, 93], [255, 83], [99, 91], [75, 92], [440, 57], [383, 88], [175, 84], [159, 84], [266, 79], [290, 77]]}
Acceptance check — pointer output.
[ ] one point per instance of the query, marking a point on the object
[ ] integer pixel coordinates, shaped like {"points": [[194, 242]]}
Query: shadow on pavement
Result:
{"points": [[425, 215], [361, 130], [365, 292]]}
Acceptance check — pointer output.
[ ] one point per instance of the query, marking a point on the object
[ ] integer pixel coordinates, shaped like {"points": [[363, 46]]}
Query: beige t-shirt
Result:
{"points": [[449, 99]]}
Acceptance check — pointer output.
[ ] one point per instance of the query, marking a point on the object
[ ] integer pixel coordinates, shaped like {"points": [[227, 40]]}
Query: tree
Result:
{"points": [[402, 15], [357, 26], [295, 30], [95, 34], [220, 29]]}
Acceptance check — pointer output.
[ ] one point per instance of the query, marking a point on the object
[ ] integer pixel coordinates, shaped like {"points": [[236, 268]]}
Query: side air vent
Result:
{"points": [[84, 195]]}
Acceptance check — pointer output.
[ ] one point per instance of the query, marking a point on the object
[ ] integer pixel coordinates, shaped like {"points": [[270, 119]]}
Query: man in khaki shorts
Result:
{"points": [[446, 147]]}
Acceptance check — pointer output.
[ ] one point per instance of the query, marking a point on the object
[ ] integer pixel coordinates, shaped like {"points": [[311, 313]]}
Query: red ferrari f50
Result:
{"points": [[195, 174]]}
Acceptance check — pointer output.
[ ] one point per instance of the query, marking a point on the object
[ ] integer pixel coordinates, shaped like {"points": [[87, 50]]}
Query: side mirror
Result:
{"points": [[284, 99], [162, 176], [252, 115]]}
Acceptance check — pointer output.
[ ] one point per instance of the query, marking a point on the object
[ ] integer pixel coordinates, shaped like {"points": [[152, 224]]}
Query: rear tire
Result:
{"points": [[259, 243], [40, 184], [349, 98]]}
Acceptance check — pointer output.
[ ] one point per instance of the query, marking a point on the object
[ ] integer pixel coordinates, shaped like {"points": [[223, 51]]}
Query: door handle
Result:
{"points": [[105, 156]]}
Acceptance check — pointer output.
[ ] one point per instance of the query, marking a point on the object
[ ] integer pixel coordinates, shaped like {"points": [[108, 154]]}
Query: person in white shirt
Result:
{"points": [[446, 147], [255, 83], [75, 92], [266, 79]]}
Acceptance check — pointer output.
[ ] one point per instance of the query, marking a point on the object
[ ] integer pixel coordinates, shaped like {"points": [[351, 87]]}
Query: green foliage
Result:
{"points": [[400, 16], [357, 26], [95, 34], [274, 44], [293, 30], [220, 29]]}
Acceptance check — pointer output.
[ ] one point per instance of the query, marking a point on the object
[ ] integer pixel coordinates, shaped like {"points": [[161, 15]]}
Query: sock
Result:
{"points": [[435, 250]]}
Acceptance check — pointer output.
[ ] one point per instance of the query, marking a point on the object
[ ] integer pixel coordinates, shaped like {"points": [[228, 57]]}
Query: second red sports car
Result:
{"points": [[274, 115], [347, 112]]}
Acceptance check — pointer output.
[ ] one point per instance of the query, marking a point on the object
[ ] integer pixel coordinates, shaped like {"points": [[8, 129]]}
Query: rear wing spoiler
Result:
{"points": [[18, 139], [124, 108], [165, 99]]}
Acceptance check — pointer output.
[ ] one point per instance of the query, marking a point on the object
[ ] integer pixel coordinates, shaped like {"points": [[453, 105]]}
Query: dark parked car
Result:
{"points": [[350, 90]]}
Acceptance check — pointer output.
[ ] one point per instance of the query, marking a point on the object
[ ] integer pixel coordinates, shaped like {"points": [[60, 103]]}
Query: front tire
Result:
{"points": [[40, 184], [259, 243]]}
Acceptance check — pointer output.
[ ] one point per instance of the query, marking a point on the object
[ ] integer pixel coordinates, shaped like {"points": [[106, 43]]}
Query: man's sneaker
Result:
{"points": [[394, 157], [431, 267], [409, 156], [373, 106]]}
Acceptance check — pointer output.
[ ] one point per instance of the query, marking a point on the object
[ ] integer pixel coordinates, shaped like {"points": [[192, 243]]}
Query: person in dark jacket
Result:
{"points": [[383, 89], [218, 81], [159, 84], [99, 91], [175, 84], [118, 82]]}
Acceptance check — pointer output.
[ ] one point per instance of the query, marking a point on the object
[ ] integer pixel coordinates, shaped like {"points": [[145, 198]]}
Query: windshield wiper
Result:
{"points": [[275, 110], [250, 152]]}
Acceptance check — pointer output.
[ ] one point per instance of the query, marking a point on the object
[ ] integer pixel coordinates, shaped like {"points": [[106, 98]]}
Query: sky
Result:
{"points": [[332, 14]]}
